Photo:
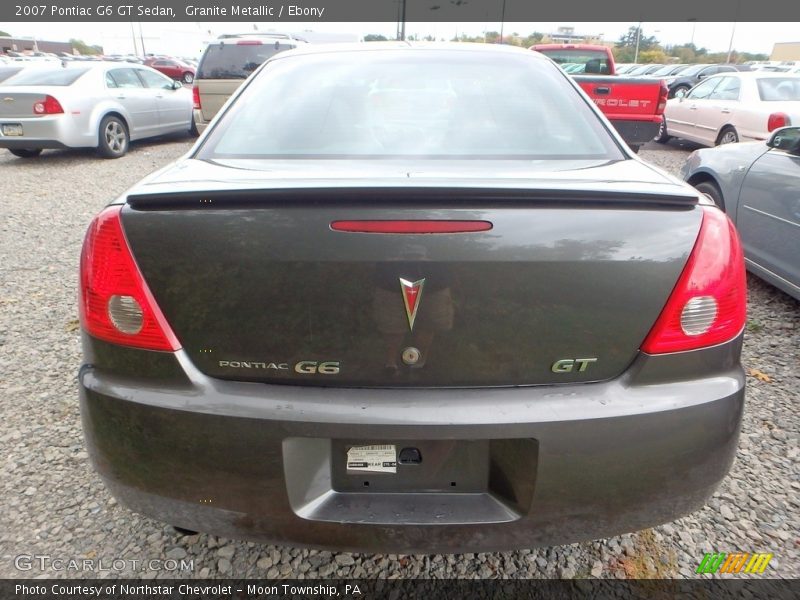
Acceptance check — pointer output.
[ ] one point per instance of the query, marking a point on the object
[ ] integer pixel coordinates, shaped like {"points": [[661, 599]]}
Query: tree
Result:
{"points": [[628, 40], [375, 37], [84, 48], [4, 34]]}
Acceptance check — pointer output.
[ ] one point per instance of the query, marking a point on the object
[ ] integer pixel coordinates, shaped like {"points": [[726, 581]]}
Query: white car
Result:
{"points": [[103, 105], [733, 107]]}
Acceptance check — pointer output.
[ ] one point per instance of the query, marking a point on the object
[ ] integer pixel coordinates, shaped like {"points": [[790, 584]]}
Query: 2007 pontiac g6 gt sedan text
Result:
{"points": [[412, 298]]}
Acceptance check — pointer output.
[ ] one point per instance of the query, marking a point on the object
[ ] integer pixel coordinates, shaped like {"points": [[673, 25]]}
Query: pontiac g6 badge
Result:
{"points": [[412, 292]]}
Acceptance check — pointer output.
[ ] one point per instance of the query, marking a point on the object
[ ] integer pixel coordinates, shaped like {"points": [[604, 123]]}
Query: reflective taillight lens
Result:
{"points": [[778, 120], [196, 97], [48, 106], [663, 94], [709, 303], [115, 303]]}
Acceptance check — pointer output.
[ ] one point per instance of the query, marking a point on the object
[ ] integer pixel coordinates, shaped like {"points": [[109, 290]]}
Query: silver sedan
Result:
{"points": [[757, 184], [99, 105]]}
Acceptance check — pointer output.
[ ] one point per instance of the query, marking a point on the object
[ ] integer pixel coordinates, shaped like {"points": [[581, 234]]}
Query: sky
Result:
{"points": [[186, 39]]}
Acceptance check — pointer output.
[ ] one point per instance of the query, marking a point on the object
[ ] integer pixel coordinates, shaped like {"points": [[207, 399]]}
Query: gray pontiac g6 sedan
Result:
{"points": [[430, 303]]}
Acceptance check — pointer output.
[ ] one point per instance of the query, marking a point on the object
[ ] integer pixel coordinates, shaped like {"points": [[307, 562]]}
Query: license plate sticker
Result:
{"points": [[12, 129], [373, 459]]}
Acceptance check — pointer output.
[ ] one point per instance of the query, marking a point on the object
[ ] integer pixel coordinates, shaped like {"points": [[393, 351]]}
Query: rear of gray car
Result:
{"points": [[345, 322]]}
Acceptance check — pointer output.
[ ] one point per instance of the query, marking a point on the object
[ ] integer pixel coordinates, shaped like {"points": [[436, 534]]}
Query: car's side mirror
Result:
{"points": [[680, 94], [176, 85], [786, 139]]}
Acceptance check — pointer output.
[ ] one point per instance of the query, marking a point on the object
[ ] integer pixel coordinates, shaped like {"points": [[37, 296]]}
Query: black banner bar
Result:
{"points": [[377, 589], [508, 11]]}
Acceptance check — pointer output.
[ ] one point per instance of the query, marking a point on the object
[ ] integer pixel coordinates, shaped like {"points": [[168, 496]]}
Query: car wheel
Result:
{"points": [[193, 131], [114, 138], [188, 78], [25, 152], [727, 136], [635, 148], [711, 190], [662, 137], [677, 89]]}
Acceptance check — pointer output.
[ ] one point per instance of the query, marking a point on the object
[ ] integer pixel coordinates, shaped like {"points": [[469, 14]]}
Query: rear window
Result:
{"points": [[580, 61], [61, 76], [431, 104], [777, 89], [237, 61], [5, 73]]}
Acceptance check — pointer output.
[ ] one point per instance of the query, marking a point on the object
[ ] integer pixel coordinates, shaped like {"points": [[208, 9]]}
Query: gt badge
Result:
{"points": [[412, 292]]}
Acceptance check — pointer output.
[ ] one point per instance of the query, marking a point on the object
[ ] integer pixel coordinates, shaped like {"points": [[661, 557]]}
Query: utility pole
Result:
{"points": [[502, 20], [141, 38], [403, 22], [730, 45], [638, 38], [133, 38]]}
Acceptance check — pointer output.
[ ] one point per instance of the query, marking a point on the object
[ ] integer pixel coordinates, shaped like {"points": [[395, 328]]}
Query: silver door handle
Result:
{"points": [[120, 97], [693, 107], [726, 111]]}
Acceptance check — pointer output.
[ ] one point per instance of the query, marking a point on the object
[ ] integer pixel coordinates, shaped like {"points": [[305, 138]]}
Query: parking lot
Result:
{"points": [[56, 506]]}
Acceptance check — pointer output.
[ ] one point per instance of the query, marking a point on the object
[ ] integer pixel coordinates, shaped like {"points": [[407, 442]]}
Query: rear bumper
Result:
{"points": [[534, 466], [51, 131], [636, 133]]}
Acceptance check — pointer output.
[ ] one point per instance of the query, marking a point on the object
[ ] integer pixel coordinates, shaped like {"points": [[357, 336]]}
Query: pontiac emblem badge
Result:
{"points": [[412, 292]]}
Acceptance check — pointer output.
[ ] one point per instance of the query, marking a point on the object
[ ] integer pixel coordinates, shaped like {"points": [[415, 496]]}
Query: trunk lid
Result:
{"points": [[259, 287], [18, 102], [621, 97]]}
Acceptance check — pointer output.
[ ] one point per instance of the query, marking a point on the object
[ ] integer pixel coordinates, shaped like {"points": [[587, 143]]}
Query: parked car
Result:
{"points": [[733, 107], [89, 105], [633, 105], [668, 70], [694, 74], [226, 63], [343, 321], [757, 184], [643, 70], [173, 68], [622, 68]]}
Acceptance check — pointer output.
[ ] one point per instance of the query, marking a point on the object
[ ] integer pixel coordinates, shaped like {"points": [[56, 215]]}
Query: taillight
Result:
{"points": [[708, 304], [115, 303], [778, 120], [663, 94], [196, 96], [48, 106]]}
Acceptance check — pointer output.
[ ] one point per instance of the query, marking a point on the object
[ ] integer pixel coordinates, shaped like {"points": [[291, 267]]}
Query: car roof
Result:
{"points": [[756, 75], [408, 47]]}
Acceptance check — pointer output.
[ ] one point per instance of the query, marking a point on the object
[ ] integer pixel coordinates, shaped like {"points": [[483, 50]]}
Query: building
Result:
{"points": [[567, 35], [786, 51], [33, 45]]}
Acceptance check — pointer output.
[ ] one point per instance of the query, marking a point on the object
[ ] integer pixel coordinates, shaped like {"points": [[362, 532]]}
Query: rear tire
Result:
{"points": [[114, 138], [193, 131], [728, 135], [25, 152], [187, 78], [635, 148], [662, 137], [710, 189]]}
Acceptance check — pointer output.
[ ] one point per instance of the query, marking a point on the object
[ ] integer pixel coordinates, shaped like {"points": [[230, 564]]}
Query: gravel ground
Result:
{"points": [[54, 504]]}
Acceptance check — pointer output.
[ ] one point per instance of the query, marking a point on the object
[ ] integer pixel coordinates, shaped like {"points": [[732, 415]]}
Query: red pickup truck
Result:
{"points": [[634, 105]]}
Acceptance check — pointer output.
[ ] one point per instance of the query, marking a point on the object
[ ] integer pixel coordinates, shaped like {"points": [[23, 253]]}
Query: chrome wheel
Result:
{"points": [[116, 138], [729, 137], [188, 78]]}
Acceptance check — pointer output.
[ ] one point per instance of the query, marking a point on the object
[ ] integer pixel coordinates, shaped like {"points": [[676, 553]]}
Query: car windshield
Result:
{"points": [[668, 70], [60, 76], [423, 103], [692, 70], [237, 61], [777, 89]]}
